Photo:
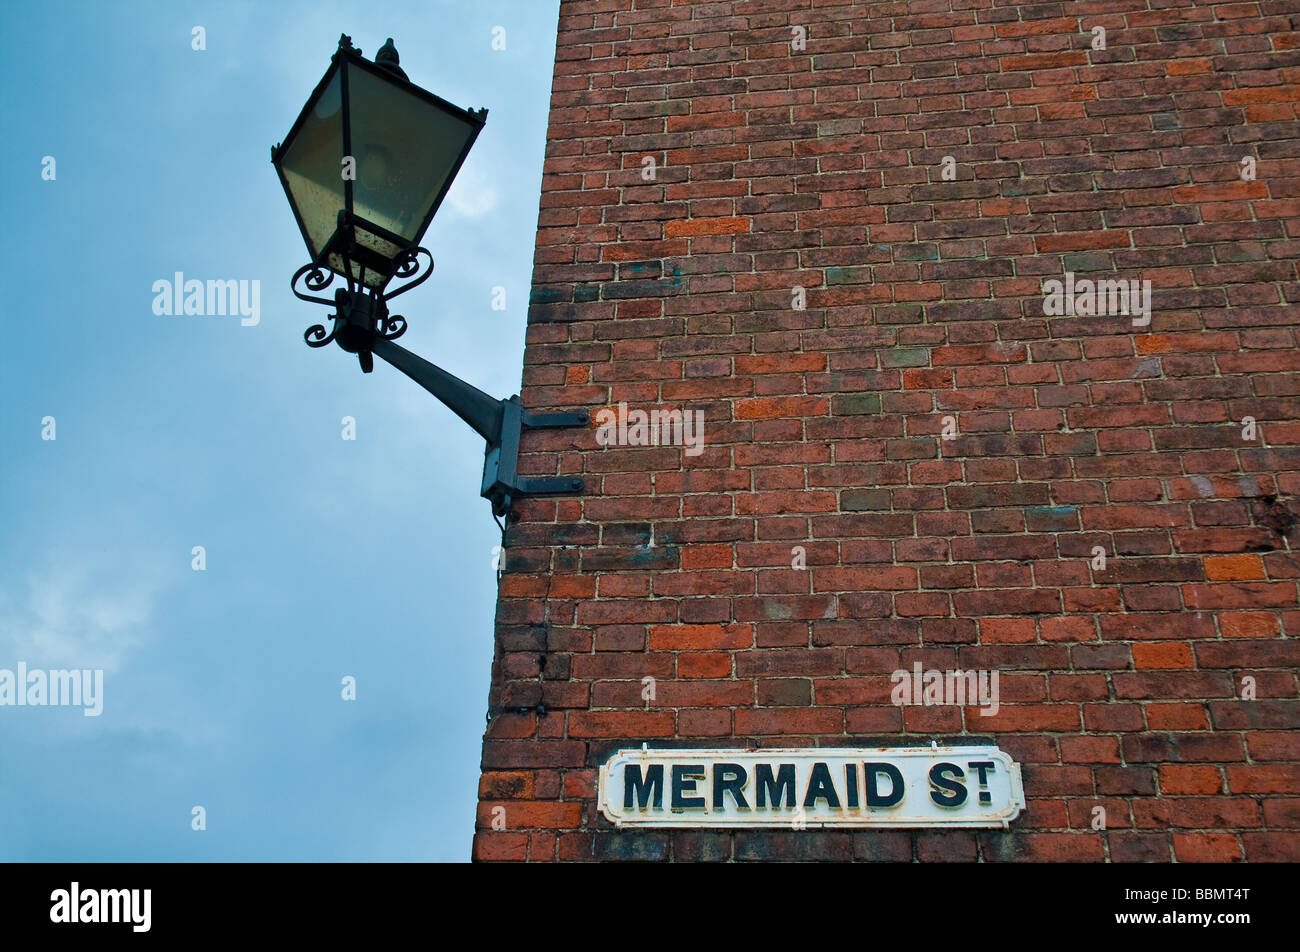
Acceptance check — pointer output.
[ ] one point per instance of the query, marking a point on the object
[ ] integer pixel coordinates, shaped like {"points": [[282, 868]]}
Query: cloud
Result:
{"points": [[470, 195], [85, 614]]}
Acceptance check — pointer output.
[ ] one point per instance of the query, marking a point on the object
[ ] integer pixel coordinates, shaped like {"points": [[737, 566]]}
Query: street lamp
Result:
{"points": [[365, 168]]}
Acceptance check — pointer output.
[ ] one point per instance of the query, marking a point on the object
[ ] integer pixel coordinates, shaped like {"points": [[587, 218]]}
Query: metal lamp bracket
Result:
{"points": [[501, 479], [363, 326]]}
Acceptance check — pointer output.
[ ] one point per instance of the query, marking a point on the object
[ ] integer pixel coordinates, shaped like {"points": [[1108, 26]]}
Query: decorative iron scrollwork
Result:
{"points": [[317, 279], [316, 335], [407, 265], [390, 328]]}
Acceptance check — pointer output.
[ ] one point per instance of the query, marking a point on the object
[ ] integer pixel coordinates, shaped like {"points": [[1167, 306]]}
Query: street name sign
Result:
{"points": [[965, 786]]}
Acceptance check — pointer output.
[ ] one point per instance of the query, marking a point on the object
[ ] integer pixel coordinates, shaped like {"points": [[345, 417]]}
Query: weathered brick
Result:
{"points": [[914, 459]]}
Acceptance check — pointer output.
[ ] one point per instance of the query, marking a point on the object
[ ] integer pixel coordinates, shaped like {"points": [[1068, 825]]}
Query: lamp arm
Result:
{"points": [[482, 412], [500, 422]]}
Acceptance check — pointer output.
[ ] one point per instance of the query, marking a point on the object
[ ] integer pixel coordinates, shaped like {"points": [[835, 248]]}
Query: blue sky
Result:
{"points": [[325, 558]]}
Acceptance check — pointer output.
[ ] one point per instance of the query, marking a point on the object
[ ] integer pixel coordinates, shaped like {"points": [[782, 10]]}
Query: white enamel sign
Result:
{"points": [[970, 786]]}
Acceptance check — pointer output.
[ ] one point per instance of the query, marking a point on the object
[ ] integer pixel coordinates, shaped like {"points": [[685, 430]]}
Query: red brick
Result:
{"points": [[824, 426], [1189, 779], [700, 637], [1233, 568], [706, 226], [530, 815], [1248, 624], [1206, 848], [500, 846], [1162, 655]]}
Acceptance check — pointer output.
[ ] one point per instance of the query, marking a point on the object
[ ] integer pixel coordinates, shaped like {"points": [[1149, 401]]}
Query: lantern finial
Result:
{"points": [[387, 58]]}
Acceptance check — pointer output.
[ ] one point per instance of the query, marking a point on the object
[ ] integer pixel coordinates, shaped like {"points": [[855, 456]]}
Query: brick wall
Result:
{"points": [[778, 168]]}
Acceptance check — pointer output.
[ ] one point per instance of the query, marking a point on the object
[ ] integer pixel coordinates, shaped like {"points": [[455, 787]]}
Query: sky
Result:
{"points": [[323, 558]]}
